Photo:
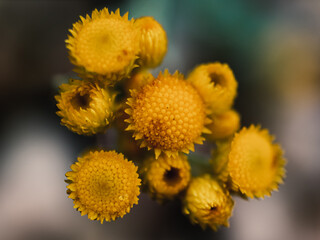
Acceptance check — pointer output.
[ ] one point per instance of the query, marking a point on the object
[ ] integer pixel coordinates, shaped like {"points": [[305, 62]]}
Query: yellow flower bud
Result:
{"points": [[166, 176], [207, 203], [153, 42], [224, 125], [84, 107], [216, 84]]}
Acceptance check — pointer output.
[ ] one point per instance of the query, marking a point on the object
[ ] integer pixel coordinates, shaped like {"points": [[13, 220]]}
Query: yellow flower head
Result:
{"points": [[166, 176], [224, 125], [138, 79], [256, 165], [104, 46], [84, 107], [207, 203], [153, 42], [216, 84], [167, 114], [103, 185]]}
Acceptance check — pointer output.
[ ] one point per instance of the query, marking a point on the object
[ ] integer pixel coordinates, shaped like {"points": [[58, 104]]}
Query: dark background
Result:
{"points": [[273, 48]]}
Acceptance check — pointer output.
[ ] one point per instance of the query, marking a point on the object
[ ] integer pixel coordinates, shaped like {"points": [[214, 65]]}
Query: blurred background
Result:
{"points": [[273, 48]]}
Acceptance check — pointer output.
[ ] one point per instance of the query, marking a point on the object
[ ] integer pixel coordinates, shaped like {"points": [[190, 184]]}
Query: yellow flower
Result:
{"points": [[103, 185], [216, 84], [167, 114], [256, 165], [138, 79], [166, 176], [153, 42], [224, 125], [219, 160], [104, 46], [84, 107], [207, 203]]}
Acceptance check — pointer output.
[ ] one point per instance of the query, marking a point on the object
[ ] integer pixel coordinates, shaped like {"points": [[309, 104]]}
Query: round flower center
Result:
{"points": [[106, 45], [169, 113], [80, 101], [253, 167], [172, 176], [106, 185], [217, 79]]}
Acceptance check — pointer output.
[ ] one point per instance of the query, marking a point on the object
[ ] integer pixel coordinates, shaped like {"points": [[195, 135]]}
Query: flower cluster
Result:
{"points": [[167, 114]]}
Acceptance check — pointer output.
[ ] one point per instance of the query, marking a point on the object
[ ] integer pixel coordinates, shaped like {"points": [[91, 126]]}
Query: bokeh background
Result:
{"points": [[272, 46]]}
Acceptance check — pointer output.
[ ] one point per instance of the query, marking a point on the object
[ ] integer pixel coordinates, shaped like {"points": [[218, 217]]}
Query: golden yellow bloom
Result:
{"points": [[84, 107], [167, 115], [224, 125], [153, 42], [256, 165], [207, 203], [219, 160], [216, 84], [103, 185], [166, 176], [104, 46]]}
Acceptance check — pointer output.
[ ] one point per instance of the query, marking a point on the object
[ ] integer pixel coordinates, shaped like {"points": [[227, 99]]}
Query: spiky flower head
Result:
{"points": [[207, 203], [224, 125], [256, 165], [104, 46], [153, 42], [216, 84], [103, 185], [84, 107], [166, 176], [167, 115]]}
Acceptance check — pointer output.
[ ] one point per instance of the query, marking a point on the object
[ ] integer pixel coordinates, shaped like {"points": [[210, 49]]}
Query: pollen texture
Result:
{"points": [[104, 45], [153, 42], [167, 115], [103, 185], [216, 84], [84, 107], [166, 176], [256, 165], [207, 203]]}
